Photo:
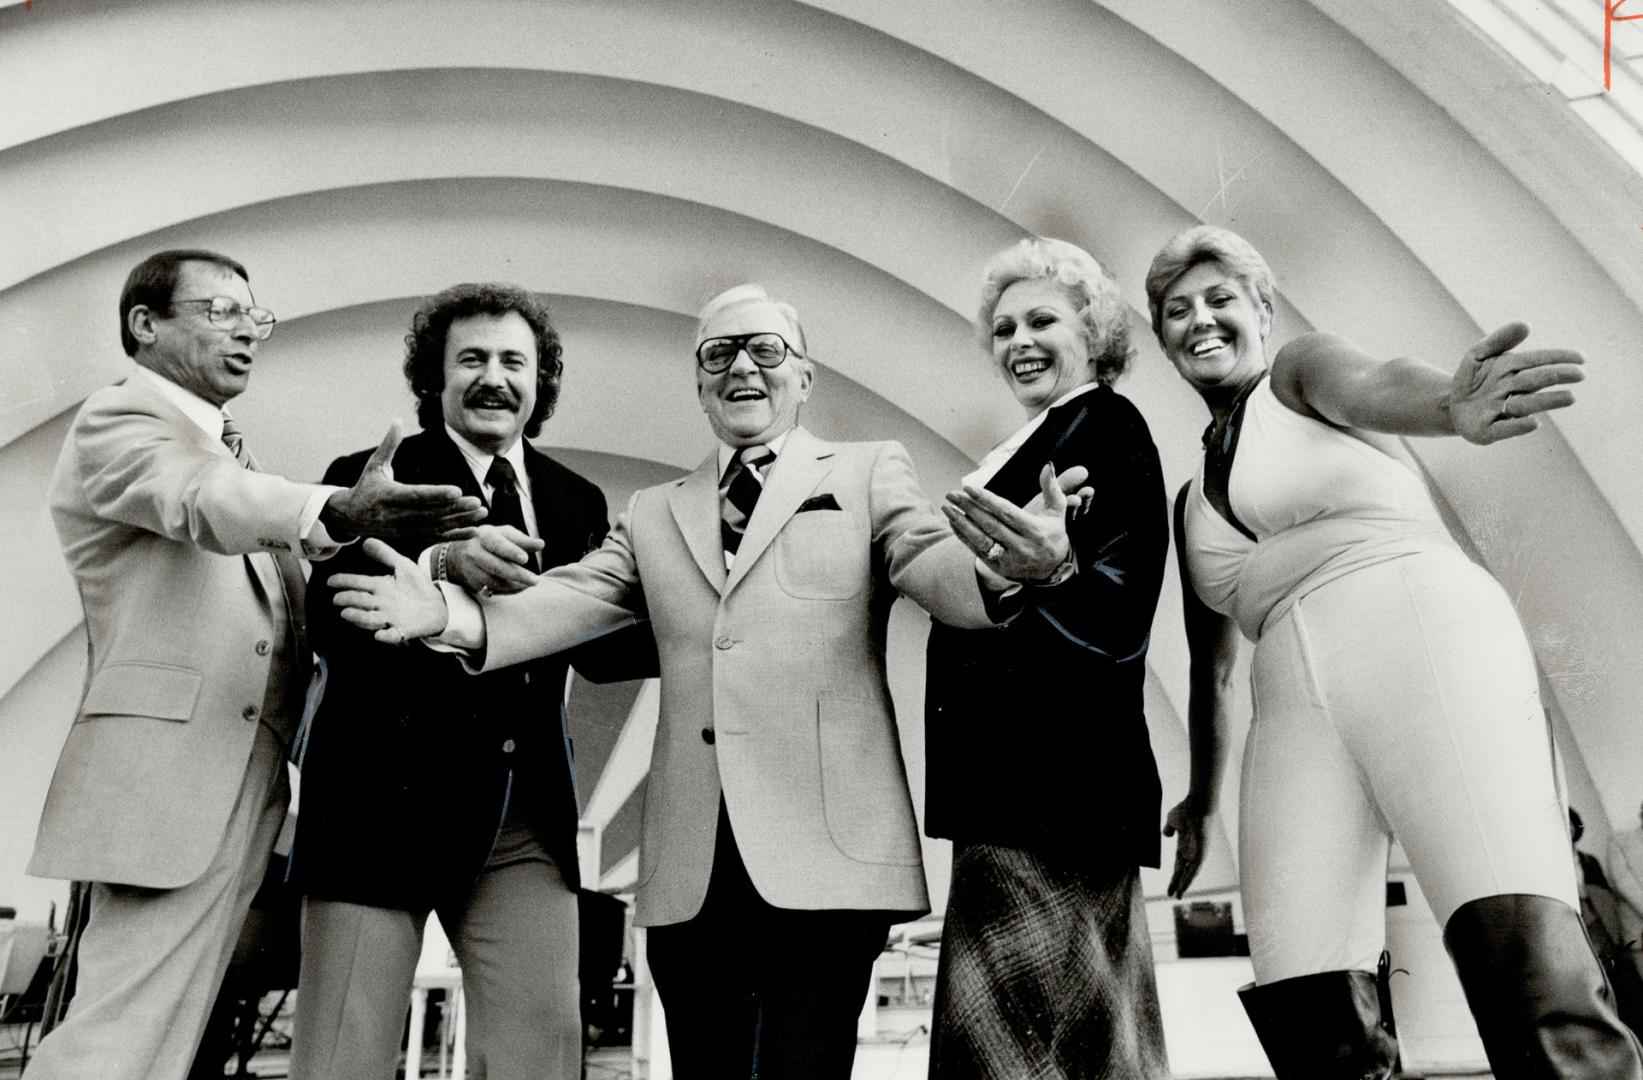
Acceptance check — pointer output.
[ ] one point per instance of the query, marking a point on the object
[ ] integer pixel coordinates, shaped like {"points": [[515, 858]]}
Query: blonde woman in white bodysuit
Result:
{"points": [[1395, 692]]}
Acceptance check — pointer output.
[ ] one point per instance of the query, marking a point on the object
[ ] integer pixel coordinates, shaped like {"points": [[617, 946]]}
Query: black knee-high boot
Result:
{"points": [[1541, 1001], [1326, 1026]]}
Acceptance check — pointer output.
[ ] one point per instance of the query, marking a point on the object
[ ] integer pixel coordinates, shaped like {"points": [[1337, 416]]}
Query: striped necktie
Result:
{"points": [[741, 494], [234, 439]]}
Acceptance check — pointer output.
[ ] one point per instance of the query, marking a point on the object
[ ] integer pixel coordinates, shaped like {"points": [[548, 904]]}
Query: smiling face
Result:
{"points": [[1040, 343], [182, 345], [748, 405], [490, 379], [1213, 328]]}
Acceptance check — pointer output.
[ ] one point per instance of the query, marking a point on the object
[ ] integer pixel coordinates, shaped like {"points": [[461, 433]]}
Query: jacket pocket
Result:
{"points": [[864, 785], [821, 556], [161, 691]]}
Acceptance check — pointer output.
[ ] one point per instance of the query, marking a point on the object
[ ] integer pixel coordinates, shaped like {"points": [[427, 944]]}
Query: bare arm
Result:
{"points": [[1495, 392], [1212, 644]]}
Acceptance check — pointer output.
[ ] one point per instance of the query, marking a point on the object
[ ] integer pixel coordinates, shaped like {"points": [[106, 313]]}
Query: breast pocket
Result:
{"points": [[822, 555]]}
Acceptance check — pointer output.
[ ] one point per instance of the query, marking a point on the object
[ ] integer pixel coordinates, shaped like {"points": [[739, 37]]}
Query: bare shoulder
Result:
{"points": [[1313, 363]]}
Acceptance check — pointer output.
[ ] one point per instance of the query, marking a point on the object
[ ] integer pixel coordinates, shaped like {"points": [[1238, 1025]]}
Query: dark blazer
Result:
{"points": [[1035, 734], [408, 760]]}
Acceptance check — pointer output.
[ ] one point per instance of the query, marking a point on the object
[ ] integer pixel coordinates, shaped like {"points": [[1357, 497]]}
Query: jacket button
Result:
{"points": [[708, 736], [249, 712], [723, 641], [527, 678], [262, 647], [507, 746]]}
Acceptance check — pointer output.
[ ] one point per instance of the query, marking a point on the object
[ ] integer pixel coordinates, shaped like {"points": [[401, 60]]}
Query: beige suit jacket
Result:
{"points": [[773, 686], [193, 641]]}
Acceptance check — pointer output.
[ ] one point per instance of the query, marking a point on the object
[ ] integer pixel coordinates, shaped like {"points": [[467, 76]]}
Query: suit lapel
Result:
{"points": [[438, 460], [560, 524], [1017, 478], [803, 462], [694, 502]]}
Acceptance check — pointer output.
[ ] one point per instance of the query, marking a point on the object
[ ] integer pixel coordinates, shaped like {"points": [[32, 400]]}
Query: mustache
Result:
{"points": [[488, 397]]}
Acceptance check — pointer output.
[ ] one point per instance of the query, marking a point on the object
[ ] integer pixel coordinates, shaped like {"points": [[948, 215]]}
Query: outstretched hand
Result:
{"points": [[397, 607], [1498, 389], [492, 559], [378, 505], [1186, 824], [1020, 543]]}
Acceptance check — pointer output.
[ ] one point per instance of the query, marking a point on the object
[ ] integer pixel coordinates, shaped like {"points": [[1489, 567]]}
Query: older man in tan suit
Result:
{"points": [[778, 841], [171, 787]]}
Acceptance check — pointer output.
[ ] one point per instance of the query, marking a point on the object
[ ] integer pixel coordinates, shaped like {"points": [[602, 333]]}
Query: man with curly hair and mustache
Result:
{"points": [[425, 789]]}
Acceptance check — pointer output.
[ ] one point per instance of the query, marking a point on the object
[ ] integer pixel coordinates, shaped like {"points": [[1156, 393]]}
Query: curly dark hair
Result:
{"points": [[425, 346]]}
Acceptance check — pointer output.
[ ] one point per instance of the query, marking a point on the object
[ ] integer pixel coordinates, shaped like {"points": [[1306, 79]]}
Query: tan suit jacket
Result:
{"points": [[773, 681], [193, 641]]}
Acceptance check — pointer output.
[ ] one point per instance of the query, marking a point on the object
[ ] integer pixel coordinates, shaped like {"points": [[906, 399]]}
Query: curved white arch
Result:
{"points": [[862, 159]]}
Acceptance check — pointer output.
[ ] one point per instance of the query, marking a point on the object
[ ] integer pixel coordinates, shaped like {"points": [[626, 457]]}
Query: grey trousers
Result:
{"points": [[151, 960], [515, 936]]}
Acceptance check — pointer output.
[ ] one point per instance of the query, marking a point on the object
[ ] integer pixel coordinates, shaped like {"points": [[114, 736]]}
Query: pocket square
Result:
{"points": [[819, 502]]}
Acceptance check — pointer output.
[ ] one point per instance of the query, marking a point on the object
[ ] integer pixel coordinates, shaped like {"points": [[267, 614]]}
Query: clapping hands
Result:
{"points": [[1022, 543]]}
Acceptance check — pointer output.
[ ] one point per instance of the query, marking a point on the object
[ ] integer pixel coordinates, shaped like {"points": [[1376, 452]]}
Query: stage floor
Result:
{"points": [[874, 1061]]}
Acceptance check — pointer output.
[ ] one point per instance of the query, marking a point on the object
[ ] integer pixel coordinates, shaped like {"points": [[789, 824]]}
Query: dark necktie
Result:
{"points": [[506, 508], [741, 494]]}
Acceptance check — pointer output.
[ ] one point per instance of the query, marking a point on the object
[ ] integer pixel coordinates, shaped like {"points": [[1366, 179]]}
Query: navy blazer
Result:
{"points": [[409, 756], [1035, 733]]}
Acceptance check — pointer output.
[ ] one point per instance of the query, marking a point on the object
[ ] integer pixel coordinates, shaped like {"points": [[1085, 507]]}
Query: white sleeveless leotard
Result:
{"points": [[1322, 503], [1393, 691]]}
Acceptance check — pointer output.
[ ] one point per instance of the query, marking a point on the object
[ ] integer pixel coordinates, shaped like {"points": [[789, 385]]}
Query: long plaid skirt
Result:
{"points": [[1046, 971]]}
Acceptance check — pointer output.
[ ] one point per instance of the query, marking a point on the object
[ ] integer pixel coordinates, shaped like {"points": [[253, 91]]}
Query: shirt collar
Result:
{"points": [[479, 461], [1082, 388], [206, 416], [995, 458], [728, 452]]}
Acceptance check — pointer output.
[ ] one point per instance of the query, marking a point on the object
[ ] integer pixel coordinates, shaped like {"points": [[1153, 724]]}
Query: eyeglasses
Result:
{"points": [[225, 313], [716, 354]]}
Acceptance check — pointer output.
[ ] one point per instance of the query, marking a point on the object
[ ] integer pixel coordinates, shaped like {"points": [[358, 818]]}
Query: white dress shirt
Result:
{"points": [[480, 462]]}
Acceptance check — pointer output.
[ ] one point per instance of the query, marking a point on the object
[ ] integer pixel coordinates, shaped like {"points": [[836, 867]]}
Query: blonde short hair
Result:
{"points": [[1202, 244], [1088, 285]]}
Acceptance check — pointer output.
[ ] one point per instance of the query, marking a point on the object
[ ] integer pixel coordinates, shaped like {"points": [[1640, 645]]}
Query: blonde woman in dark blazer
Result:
{"points": [[1040, 769]]}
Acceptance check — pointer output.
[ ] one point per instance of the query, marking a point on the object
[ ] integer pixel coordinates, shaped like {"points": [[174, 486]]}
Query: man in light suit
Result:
{"points": [[778, 841], [427, 789], [171, 787]]}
